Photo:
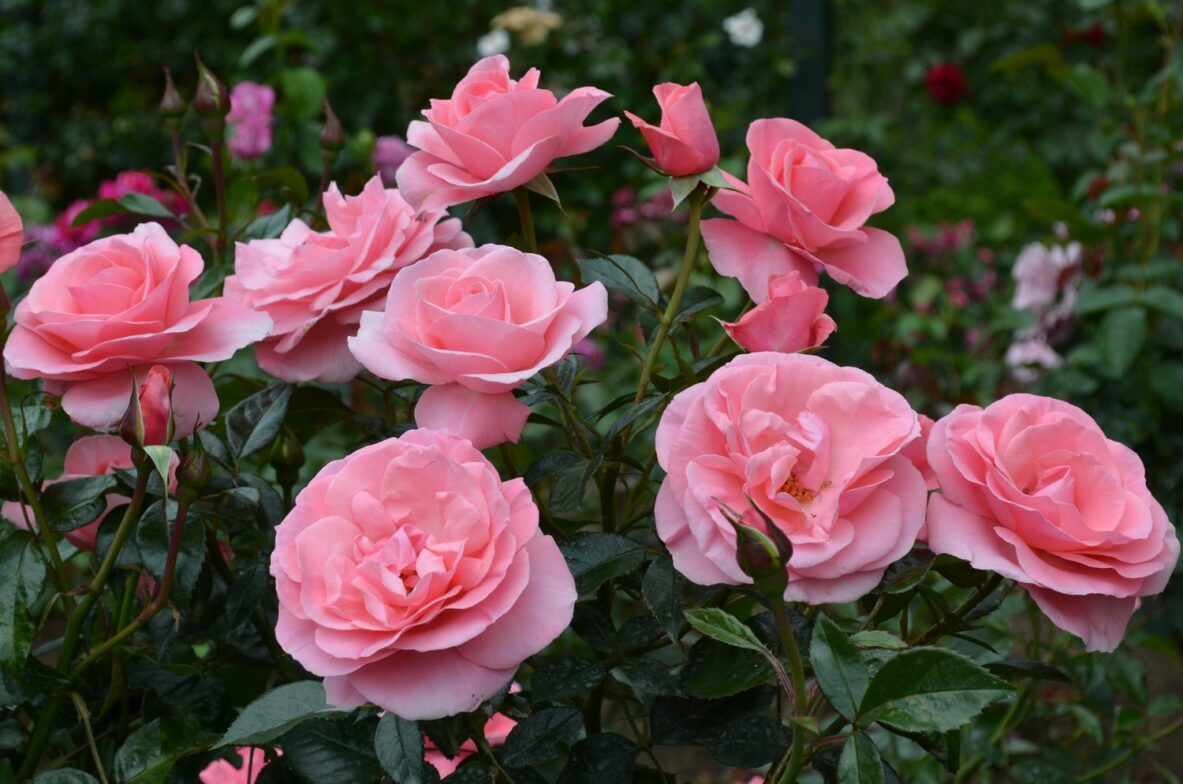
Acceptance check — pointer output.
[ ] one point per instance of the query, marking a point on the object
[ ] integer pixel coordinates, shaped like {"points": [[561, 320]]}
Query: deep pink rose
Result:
{"points": [[250, 119], [12, 234], [120, 303], [315, 285], [389, 154], [155, 395], [685, 141], [817, 447], [251, 762], [495, 134], [410, 576], [476, 323], [1033, 490], [496, 731], [793, 318], [88, 456], [127, 182], [804, 208], [66, 236]]}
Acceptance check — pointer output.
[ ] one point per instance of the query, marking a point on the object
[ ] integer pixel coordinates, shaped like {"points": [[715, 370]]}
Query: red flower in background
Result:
{"points": [[945, 83]]}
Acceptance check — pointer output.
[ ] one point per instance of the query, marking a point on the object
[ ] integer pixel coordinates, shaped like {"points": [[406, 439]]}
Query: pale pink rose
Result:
{"points": [[249, 119], [793, 318], [410, 576], [685, 141], [12, 234], [817, 447], [251, 761], [1039, 271], [496, 731], [1029, 356], [495, 134], [389, 154], [122, 304], [88, 456], [475, 324], [315, 285], [1033, 490], [804, 208]]}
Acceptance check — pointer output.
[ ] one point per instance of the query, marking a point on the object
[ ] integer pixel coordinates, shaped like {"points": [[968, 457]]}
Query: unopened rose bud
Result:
{"points": [[287, 458], [763, 557], [332, 138], [172, 105], [194, 473], [148, 420], [212, 99]]}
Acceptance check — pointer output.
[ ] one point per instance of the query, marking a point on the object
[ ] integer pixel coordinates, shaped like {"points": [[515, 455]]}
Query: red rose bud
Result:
{"points": [[685, 142], [332, 138], [945, 83], [212, 99], [172, 105], [148, 420]]}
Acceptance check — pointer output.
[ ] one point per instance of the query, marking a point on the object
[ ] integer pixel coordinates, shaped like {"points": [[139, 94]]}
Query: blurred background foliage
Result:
{"points": [[1000, 125]]}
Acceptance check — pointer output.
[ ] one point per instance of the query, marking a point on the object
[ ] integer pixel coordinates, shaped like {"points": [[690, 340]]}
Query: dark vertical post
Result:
{"points": [[810, 23]]}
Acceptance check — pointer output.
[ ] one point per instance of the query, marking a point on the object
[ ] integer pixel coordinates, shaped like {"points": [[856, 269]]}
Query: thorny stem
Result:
{"points": [[800, 698], [943, 625]]}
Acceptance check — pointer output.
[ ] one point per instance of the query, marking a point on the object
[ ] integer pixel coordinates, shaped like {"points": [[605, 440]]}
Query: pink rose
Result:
{"points": [[250, 119], [389, 154], [792, 319], [134, 182], [917, 452], [1039, 272], [685, 142], [1033, 490], [495, 134], [12, 234], [120, 303], [496, 731], [315, 285], [410, 576], [251, 761], [88, 456], [803, 208], [816, 447], [476, 323], [66, 236]]}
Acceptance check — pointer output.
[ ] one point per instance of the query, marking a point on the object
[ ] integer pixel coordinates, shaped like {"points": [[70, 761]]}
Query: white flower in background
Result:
{"points": [[744, 28], [1028, 356], [492, 42], [1038, 271]]}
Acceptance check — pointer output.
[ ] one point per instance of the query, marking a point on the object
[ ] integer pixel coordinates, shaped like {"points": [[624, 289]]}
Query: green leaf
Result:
{"points": [[714, 178], [538, 738], [875, 638], [253, 423], [64, 776], [256, 49], [594, 558], [839, 667], [143, 204], [268, 227], [559, 679], [929, 690], [1089, 83], [149, 754], [98, 209], [21, 576], [1097, 300], [153, 536], [724, 627], [860, 762], [303, 93], [606, 758], [278, 711], [715, 670], [662, 588], [332, 751], [286, 179], [1015, 669], [1166, 300], [1123, 332], [399, 746], [570, 483], [73, 503], [736, 730], [696, 300], [625, 274], [649, 675], [634, 412], [542, 185]]}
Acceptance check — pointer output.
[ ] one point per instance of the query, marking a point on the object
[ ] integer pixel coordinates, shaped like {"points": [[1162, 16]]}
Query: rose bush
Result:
{"points": [[295, 564]]}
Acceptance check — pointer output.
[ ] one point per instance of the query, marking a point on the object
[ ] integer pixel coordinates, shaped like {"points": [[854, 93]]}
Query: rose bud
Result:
{"points": [[332, 138], [685, 142], [148, 420], [172, 105], [212, 99]]}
